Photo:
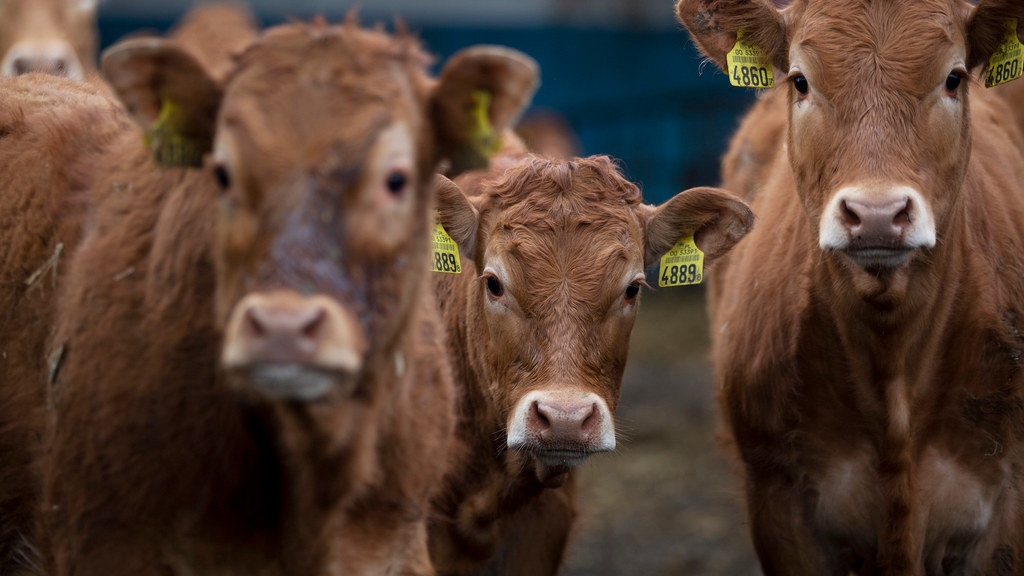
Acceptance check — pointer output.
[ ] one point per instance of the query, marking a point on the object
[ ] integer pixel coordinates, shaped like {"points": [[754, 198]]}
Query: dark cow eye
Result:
{"points": [[800, 83], [396, 182], [953, 81], [222, 176], [494, 287], [632, 290]]}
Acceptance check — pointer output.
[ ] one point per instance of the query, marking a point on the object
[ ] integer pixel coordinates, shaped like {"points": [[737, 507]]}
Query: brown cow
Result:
{"points": [[867, 340], [215, 33], [554, 253], [247, 373], [53, 36]]}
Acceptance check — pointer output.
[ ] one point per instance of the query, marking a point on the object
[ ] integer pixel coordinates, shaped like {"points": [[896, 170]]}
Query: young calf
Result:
{"points": [[554, 254], [53, 36], [247, 373]]}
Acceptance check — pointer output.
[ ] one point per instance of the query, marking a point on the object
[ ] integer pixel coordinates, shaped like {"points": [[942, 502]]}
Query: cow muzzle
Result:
{"points": [[877, 227], [294, 347], [561, 429], [57, 58]]}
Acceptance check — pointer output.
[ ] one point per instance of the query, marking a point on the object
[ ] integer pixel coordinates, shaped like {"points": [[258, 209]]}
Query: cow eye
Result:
{"points": [[494, 287], [953, 81], [800, 83], [632, 291], [396, 182], [220, 172]]}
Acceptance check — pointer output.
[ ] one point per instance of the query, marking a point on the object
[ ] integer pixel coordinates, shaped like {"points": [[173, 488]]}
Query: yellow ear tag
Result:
{"points": [[484, 140], [682, 265], [1007, 62], [446, 253], [748, 66], [169, 146]]}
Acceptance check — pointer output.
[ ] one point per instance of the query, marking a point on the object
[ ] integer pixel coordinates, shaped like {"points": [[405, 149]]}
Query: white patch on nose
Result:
{"points": [[520, 435], [55, 57], [920, 233]]}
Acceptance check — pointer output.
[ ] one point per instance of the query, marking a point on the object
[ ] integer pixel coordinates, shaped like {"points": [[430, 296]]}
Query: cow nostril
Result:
{"points": [[252, 322], [849, 215], [316, 319], [544, 421], [591, 419], [59, 67], [23, 65], [902, 217]]}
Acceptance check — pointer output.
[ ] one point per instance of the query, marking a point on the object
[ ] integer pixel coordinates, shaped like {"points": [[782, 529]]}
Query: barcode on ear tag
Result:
{"points": [[682, 265], [445, 256], [748, 66], [1007, 62]]}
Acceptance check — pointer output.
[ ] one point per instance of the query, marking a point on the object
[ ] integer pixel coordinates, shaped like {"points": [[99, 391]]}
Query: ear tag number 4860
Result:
{"points": [[682, 265], [445, 253], [1007, 62], [748, 66]]}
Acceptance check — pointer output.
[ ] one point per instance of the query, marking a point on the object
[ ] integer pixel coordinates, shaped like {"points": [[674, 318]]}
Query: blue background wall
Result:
{"points": [[637, 95]]}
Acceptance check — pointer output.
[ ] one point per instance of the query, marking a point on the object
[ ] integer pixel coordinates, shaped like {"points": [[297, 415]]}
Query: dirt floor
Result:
{"points": [[668, 500]]}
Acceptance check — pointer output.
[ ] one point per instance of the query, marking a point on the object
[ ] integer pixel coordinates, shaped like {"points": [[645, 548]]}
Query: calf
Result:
{"points": [[246, 374], [867, 338], [554, 253], [53, 36], [215, 33]]}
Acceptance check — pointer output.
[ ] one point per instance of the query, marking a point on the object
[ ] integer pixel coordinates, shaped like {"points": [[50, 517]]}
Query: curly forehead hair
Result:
{"points": [[543, 182]]}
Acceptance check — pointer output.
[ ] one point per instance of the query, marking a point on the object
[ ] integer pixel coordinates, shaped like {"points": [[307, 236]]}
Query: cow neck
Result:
{"points": [[895, 331]]}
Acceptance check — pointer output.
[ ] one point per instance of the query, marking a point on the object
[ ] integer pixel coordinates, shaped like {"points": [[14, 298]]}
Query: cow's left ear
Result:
{"points": [[169, 93], [716, 219], [986, 28], [481, 92], [457, 215]]}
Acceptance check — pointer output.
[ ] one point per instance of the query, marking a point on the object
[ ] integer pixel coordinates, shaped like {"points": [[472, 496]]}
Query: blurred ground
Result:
{"points": [[668, 501]]}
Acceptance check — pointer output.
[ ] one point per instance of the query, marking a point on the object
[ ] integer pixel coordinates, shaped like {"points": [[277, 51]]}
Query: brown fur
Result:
{"points": [[38, 232], [571, 234], [215, 34], [157, 461], [878, 413]]}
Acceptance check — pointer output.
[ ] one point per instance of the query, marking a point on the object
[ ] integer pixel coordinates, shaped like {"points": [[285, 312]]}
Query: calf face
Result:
{"points": [[561, 248], [324, 145], [879, 130], [52, 36]]}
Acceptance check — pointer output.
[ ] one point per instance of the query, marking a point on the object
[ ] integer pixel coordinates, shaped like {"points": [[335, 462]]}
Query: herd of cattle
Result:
{"points": [[223, 351]]}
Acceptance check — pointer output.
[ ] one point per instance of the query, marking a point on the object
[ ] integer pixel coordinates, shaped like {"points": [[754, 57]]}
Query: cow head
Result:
{"points": [[52, 36], [325, 141], [560, 249], [879, 125]]}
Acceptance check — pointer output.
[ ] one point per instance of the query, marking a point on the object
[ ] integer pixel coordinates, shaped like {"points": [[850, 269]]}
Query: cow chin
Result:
{"points": [[292, 382]]}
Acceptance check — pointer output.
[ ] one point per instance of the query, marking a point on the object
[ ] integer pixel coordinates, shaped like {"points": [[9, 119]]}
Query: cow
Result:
{"points": [[214, 33], [553, 254], [867, 335], [52, 36], [244, 370]]}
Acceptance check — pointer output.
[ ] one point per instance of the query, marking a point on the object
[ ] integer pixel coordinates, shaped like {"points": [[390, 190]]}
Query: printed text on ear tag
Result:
{"points": [[169, 146], [682, 265], [1007, 62], [445, 256], [748, 66]]}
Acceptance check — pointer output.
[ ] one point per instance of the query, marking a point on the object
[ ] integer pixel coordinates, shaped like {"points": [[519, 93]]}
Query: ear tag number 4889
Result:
{"points": [[748, 66], [682, 265], [1007, 62], [445, 254]]}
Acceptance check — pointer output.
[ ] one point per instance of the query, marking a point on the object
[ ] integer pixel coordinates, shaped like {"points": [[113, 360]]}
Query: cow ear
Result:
{"points": [[457, 214], [481, 92], [169, 94], [986, 28], [714, 26], [716, 219]]}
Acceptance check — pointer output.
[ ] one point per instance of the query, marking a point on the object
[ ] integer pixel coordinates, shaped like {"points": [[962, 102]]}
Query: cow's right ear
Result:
{"points": [[714, 26], [481, 92], [457, 214], [169, 93]]}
